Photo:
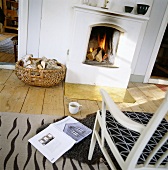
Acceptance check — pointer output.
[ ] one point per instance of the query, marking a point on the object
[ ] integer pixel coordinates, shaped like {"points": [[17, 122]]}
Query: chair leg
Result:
{"points": [[93, 139], [92, 146]]}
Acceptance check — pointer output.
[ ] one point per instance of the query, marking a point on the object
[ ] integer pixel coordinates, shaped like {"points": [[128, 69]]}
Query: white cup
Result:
{"points": [[74, 107]]}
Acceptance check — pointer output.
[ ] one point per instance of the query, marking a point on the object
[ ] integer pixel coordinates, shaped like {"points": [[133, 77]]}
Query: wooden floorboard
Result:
{"points": [[8, 58], [4, 75], [144, 102], [14, 81], [33, 103], [88, 107], [12, 98], [15, 96], [54, 101], [1, 87]]}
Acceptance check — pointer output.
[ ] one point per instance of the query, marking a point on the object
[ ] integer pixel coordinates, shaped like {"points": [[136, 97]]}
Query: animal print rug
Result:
{"points": [[17, 154]]}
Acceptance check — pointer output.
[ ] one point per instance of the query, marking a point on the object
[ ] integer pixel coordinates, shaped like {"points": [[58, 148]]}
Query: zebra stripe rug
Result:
{"points": [[17, 154]]}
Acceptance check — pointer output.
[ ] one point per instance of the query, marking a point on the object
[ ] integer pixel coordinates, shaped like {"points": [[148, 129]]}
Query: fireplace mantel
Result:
{"points": [[110, 12]]}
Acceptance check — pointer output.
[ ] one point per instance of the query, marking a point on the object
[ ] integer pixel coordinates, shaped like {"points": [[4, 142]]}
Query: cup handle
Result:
{"points": [[80, 108]]}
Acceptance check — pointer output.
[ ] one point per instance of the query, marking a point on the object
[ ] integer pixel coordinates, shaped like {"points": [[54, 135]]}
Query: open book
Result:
{"points": [[59, 137]]}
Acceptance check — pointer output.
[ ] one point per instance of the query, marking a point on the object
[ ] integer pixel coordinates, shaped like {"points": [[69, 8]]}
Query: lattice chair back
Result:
{"points": [[136, 140]]}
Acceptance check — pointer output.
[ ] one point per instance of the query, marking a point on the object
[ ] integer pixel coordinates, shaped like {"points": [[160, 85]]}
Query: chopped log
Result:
{"points": [[40, 67], [99, 56], [43, 63], [91, 56], [94, 53], [105, 57]]}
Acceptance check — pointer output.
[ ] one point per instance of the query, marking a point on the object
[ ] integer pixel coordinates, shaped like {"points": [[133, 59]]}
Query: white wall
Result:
{"points": [[152, 30], [34, 26], [56, 28], [23, 28]]}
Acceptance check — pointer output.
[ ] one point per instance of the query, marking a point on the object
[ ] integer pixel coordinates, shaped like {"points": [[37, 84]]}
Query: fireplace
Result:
{"points": [[102, 46], [122, 35]]}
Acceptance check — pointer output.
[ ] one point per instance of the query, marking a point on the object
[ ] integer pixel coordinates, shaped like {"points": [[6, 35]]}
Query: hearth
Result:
{"points": [[103, 38]]}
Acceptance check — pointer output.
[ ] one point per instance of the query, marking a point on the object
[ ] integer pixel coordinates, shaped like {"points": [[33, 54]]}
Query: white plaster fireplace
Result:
{"points": [[132, 29]]}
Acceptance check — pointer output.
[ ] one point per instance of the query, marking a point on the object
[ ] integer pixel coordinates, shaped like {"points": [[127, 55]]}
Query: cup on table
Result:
{"points": [[74, 107]]}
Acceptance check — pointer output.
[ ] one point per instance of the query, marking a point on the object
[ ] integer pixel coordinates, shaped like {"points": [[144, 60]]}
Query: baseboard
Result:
{"points": [[136, 78], [7, 66], [158, 81]]}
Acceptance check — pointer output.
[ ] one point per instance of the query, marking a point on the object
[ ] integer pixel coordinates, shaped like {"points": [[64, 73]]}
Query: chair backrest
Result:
{"points": [[146, 133], [145, 137]]}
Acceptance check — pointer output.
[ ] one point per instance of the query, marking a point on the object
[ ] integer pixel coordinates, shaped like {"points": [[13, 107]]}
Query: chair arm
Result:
{"points": [[118, 115]]}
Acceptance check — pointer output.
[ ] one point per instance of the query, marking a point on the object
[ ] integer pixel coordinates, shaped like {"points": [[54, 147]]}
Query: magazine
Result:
{"points": [[59, 137]]}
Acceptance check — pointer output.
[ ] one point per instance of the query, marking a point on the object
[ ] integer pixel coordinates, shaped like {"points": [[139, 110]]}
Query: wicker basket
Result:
{"points": [[42, 78]]}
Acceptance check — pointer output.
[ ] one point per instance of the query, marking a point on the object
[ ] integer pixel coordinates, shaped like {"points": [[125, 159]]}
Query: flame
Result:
{"points": [[91, 49], [102, 41]]}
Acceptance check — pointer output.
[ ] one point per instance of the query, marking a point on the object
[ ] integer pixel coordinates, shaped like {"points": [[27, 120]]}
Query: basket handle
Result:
{"points": [[36, 73]]}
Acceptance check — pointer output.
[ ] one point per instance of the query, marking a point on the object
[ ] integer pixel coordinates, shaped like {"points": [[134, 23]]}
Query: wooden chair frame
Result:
{"points": [[145, 135]]}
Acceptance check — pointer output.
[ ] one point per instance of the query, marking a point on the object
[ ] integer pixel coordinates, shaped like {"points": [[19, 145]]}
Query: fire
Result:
{"points": [[91, 50], [98, 52], [102, 42]]}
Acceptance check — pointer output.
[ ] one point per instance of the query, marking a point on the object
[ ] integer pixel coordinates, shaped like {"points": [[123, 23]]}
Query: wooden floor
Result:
{"points": [[8, 58], [15, 96]]}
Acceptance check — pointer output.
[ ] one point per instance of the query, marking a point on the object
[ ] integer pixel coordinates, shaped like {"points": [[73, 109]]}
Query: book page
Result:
{"points": [[73, 128], [52, 143]]}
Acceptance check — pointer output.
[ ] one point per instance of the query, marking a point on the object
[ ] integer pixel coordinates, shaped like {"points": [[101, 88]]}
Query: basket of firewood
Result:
{"points": [[41, 72]]}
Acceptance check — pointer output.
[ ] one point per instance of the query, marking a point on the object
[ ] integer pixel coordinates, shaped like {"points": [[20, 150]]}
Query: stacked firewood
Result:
{"points": [[43, 63]]}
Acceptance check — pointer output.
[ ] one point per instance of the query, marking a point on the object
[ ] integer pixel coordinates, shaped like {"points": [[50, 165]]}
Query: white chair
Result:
{"points": [[138, 141]]}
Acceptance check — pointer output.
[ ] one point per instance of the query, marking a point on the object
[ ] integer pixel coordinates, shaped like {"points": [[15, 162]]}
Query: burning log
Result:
{"points": [[99, 56], [91, 56], [105, 57]]}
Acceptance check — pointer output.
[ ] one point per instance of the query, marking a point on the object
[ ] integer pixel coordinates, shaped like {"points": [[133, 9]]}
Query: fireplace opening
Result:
{"points": [[102, 46]]}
